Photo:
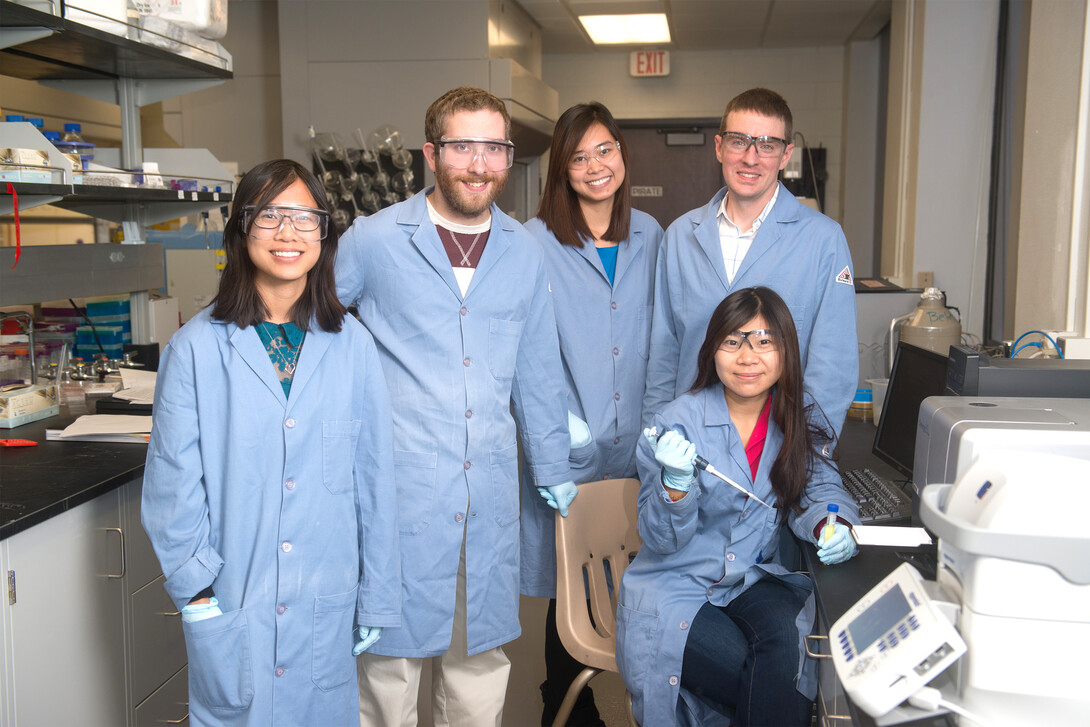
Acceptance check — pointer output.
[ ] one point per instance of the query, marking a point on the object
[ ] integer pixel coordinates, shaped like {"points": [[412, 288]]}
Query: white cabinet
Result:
{"points": [[91, 637]]}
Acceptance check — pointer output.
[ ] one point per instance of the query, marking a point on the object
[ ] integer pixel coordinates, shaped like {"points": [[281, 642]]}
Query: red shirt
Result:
{"points": [[756, 444]]}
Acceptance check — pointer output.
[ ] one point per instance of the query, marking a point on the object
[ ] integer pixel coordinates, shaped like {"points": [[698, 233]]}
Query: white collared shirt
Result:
{"points": [[733, 241]]}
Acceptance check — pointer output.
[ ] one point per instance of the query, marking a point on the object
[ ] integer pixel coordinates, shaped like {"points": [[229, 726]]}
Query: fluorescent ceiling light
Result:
{"points": [[622, 29]]}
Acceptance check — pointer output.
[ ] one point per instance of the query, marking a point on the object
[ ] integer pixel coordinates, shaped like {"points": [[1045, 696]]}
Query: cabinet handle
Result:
{"points": [[176, 721], [826, 718], [806, 645], [168, 613], [121, 533]]}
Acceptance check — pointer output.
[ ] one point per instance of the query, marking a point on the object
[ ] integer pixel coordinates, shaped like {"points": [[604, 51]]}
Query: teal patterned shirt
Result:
{"points": [[283, 342]]}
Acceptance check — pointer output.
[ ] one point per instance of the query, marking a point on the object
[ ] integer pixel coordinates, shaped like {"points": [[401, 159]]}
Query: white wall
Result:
{"points": [[702, 82]]}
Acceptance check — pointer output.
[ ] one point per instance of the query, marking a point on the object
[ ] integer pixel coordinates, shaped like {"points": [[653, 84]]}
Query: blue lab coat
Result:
{"points": [[457, 368], [604, 332], [285, 506], [799, 253], [711, 545]]}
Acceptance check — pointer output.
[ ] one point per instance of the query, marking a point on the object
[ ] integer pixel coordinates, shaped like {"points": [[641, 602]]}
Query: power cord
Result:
{"points": [[930, 699]]}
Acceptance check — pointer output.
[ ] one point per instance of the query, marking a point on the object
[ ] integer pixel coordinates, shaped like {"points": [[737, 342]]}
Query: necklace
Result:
{"points": [[286, 357], [465, 253]]}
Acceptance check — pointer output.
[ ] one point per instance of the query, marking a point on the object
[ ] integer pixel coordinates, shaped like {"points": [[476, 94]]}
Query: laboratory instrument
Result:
{"points": [[892, 642]]}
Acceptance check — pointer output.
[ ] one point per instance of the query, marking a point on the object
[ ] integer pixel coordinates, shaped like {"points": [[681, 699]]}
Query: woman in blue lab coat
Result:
{"points": [[710, 625], [600, 258], [269, 491]]}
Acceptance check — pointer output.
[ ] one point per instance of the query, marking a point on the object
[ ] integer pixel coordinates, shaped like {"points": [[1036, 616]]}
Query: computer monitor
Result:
{"points": [[917, 374]]}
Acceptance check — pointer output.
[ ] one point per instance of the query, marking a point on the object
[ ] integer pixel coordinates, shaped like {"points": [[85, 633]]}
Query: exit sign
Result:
{"points": [[646, 63]]}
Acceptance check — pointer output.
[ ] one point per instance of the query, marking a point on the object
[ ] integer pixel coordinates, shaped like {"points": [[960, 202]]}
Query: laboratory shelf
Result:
{"points": [[73, 51]]}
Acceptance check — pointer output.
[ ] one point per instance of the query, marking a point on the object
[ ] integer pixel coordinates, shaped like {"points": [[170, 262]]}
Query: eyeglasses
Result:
{"points": [[603, 153], [761, 340], [304, 219], [461, 153], [738, 143]]}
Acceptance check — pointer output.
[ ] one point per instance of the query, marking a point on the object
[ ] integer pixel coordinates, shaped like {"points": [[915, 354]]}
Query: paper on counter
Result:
{"points": [[105, 428], [137, 386], [889, 536]]}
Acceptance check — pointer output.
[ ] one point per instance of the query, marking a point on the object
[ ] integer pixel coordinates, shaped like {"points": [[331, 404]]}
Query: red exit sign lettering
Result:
{"points": [[646, 63]]}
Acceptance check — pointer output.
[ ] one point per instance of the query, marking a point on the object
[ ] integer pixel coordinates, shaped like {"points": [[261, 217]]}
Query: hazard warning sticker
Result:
{"points": [[845, 277]]}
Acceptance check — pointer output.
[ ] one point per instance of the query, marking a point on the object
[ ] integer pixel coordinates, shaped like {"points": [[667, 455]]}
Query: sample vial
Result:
{"points": [[830, 521]]}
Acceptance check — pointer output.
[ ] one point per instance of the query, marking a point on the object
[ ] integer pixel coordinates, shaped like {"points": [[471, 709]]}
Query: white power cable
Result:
{"points": [[930, 699]]}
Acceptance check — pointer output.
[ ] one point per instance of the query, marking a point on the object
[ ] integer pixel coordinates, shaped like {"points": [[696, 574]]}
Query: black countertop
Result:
{"points": [[39, 482]]}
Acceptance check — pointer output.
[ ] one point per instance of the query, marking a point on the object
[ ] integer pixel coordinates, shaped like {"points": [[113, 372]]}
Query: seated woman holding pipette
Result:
{"points": [[710, 625]]}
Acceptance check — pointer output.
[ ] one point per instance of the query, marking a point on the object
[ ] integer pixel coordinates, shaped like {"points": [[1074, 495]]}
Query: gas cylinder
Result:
{"points": [[929, 326]]}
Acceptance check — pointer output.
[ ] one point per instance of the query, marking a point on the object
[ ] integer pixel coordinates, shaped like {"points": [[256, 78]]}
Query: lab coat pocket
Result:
{"points": [[643, 330], [503, 346], [636, 646], [505, 488], [334, 618], [414, 473], [338, 453], [220, 665], [583, 463]]}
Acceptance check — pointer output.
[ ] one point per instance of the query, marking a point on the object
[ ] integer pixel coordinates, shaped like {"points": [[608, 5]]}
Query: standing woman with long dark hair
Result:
{"points": [[600, 258], [269, 492], [710, 625]]}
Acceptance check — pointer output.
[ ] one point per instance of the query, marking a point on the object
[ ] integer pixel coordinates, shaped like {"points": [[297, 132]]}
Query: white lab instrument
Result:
{"points": [[1014, 550], [892, 642]]}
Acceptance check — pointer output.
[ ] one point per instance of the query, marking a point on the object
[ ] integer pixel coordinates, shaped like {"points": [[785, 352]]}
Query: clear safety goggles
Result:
{"points": [[605, 153], [738, 143], [461, 153], [761, 340], [302, 219]]}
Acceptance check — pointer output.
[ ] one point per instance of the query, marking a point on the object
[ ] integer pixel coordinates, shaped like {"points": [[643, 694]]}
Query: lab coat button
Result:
{"points": [[289, 423], [459, 518], [467, 464], [286, 546], [673, 681], [290, 484], [466, 361], [616, 440], [684, 625], [616, 397], [463, 310], [709, 593], [281, 608], [616, 351], [279, 671], [613, 305], [730, 557], [469, 413]]}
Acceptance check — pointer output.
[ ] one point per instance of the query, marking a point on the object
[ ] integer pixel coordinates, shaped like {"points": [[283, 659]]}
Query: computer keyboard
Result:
{"points": [[879, 500]]}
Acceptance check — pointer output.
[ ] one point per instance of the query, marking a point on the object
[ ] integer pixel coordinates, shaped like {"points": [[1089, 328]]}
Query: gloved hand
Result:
{"points": [[579, 432], [368, 636], [559, 496], [838, 547], [193, 612], [675, 453]]}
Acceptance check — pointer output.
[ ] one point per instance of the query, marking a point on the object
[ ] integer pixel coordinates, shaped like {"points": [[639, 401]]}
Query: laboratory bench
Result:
{"points": [[838, 587], [88, 634]]}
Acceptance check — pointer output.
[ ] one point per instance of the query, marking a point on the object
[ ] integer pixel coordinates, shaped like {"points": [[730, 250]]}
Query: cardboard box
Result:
{"points": [[24, 403]]}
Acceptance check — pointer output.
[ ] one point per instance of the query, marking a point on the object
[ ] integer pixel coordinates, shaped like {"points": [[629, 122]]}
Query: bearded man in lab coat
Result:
{"points": [[455, 295], [755, 232]]}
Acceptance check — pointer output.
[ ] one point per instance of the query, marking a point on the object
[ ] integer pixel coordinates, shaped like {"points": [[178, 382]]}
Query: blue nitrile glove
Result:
{"points": [[838, 547], [559, 496], [579, 431], [675, 453], [193, 612], [368, 636]]}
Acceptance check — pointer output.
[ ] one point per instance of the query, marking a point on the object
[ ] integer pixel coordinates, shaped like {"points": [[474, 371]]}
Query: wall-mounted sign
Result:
{"points": [[646, 191], [649, 63]]}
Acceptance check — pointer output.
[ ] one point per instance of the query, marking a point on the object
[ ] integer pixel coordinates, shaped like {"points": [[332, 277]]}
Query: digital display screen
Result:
{"points": [[881, 616], [917, 374]]}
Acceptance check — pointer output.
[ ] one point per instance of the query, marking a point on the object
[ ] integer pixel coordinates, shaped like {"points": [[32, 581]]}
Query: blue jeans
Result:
{"points": [[745, 656]]}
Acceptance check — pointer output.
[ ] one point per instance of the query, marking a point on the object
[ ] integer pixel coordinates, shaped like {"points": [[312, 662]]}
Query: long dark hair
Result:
{"points": [[559, 208], [238, 301], [795, 463]]}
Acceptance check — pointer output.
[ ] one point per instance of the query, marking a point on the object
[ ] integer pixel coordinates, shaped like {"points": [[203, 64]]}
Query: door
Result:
{"points": [[672, 166]]}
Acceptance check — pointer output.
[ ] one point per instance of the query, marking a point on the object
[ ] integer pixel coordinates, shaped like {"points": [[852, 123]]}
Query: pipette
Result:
{"points": [[703, 464]]}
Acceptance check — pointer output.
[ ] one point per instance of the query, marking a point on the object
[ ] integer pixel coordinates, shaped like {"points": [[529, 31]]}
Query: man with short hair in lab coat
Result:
{"points": [[755, 232], [455, 295]]}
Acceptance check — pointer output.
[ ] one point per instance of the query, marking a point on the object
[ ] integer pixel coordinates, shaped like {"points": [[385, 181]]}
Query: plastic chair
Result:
{"points": [[600, 529]]}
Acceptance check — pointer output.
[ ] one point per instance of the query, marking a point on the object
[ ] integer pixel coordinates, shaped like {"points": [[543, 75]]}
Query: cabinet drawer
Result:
{"points": [[158, 643], [142, 565], [169, 705]]}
